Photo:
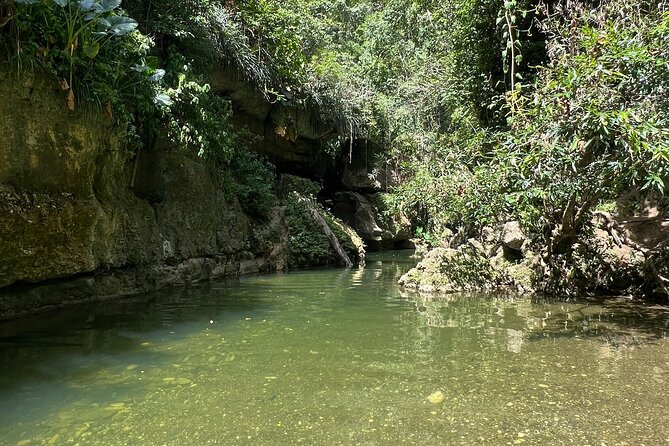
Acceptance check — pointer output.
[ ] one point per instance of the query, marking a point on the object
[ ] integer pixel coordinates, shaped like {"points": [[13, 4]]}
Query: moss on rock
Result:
{"points": [[468, 268]]}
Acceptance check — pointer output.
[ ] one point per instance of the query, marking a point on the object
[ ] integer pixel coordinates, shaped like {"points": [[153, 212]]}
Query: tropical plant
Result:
{"points": [[72, 31]]}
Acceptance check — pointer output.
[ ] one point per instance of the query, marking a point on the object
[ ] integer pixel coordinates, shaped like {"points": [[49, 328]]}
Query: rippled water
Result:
{"points": [[336, 357]]}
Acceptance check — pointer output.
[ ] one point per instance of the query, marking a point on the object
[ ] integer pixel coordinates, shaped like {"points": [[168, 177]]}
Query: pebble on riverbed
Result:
{"points": [[436, 397]]}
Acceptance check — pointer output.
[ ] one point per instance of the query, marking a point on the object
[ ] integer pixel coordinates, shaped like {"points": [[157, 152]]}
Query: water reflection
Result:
{"points": [[336, 357], [614, 321]]}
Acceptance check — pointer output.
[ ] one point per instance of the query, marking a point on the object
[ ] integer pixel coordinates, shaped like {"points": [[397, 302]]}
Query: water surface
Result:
{"points": [[336, 357]]}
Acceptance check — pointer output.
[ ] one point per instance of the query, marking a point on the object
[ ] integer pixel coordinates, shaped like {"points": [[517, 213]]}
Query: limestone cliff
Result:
{"points": [[69, 216], [290, 136]]}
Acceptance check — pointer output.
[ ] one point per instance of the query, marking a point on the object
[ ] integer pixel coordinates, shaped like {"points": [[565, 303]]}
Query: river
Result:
{"points": [[333, 357]]}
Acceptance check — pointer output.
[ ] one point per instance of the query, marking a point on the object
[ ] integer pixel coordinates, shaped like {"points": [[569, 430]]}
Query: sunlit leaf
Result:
{"points": [[158, 75], [91, 49], [163, 99], [108, 5], [121, 26], [86, 5]]}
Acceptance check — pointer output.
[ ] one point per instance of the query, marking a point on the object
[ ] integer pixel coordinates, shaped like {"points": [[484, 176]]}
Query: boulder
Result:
{"points": [[513, 236], [377, 231], [469, 268]]}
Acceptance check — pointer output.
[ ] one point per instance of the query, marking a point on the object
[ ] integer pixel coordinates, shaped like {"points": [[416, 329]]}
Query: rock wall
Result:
{"points": [[73, 229], [290, 136], [379, 232]]}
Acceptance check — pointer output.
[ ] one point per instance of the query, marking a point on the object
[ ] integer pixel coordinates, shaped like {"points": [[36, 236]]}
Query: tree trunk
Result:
{"points": [[332, 237]]}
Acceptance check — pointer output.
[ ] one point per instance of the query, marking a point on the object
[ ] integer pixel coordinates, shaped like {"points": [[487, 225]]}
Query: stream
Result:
{"points": [[336, 357]]}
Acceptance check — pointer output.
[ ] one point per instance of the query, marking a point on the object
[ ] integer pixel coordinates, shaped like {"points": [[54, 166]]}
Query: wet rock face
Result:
{"points": [[68, 213]]}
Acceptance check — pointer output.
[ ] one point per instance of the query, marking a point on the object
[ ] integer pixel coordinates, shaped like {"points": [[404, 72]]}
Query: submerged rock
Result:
{"points": [[436, 397]]}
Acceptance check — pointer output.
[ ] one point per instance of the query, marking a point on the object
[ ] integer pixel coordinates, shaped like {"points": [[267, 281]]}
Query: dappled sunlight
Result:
{"points": [[341, 357]]}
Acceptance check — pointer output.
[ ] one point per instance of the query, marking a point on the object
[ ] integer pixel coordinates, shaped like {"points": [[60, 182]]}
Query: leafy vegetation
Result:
{"points": [[489, 110], [594, 125], [97, 54], [89, 46]]}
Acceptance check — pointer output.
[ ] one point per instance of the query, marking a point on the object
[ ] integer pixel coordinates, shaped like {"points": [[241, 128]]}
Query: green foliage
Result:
{"points": [[589, 126], [306, 242], [251, 179], [93, 48], [485, 115], [426, 236], [303, 186], [344, 238], [596, 123], [90, 46], [196, 118], [452, 188], [209, 32], [199, 121]]}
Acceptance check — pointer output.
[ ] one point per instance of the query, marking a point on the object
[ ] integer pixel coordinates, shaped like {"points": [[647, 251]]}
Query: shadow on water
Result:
{"points": [[334, 356], [44, 344]]}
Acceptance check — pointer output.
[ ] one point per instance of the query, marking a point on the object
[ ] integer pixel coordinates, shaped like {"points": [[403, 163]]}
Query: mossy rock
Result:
{"points": [[452, 270]]}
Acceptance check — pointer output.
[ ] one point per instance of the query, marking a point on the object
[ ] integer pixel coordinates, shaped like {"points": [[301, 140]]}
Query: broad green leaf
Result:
{"points": [[158, 75], [91, 49], [109, 5], [103, 24], [163, 99], [122, 25], [86, 5]]}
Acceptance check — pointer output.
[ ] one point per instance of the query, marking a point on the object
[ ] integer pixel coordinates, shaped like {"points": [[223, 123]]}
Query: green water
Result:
{"points": [[336, 357]]}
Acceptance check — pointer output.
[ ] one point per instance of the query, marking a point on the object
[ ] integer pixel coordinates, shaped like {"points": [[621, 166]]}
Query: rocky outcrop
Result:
{"points": [[378, 231], [290, 136], [72, 228], [499, 259], [622, 255]]}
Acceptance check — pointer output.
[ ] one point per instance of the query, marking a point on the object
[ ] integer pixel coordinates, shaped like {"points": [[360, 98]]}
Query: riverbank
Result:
{"points": [[84, 218], [622, 256]]}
